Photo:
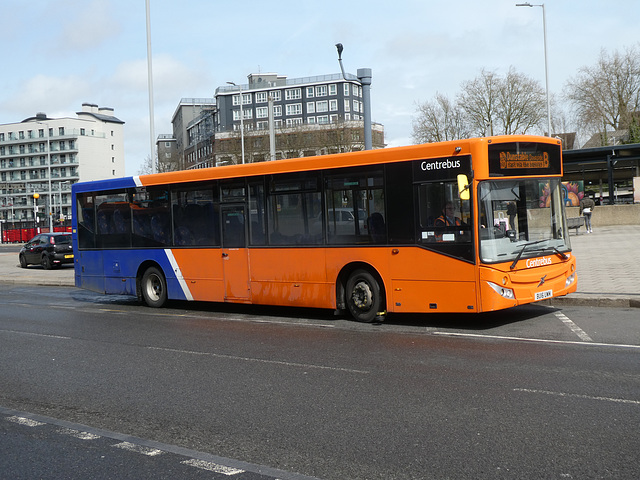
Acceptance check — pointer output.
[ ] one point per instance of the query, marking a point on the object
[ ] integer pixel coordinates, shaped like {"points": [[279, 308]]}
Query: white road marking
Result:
{"points": [[573, 327], [150, 452], [36, 334], [27, 422], [78, 434], [262, 360], [212, 467], [534, 340], [576, 395]]}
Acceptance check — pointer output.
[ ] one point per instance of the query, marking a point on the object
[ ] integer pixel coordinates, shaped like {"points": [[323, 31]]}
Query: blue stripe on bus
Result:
{"points": [[115, 271]]}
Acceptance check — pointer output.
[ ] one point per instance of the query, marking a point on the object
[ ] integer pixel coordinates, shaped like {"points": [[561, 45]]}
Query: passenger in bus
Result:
{"points": [[512, 211], [448, 218], [377, 228]]}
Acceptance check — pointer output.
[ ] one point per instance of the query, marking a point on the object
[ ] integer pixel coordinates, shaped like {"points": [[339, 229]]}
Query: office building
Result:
{"points": [[45, 156]]}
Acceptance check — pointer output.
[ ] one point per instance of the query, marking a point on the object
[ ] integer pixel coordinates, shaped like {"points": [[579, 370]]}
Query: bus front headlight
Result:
{"points": [[502, 291], [570, 279]]}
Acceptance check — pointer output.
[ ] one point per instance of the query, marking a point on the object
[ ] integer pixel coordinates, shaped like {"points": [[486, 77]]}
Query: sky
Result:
{"points": [[60, 54]]}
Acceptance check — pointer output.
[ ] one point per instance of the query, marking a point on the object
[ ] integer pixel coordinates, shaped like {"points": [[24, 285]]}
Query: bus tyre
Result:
{"points": [[154, 288], [363, 296]]}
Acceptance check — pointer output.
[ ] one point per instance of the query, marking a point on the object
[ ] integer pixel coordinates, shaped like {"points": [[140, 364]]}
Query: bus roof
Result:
{"points": [[322, 162]]}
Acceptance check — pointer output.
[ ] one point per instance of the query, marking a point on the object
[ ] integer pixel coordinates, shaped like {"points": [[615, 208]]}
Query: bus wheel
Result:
{"points": [[363, 296], [154, 288]]}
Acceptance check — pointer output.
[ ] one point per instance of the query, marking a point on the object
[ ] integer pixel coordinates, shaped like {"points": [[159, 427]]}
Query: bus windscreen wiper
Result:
{"points": [[524, 247], [562, 255]]}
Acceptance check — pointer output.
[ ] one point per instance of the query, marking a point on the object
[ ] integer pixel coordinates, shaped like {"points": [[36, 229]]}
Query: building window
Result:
{"points": [[309, 92], [276, 95], [82, 131], [333, 105], [311, 107], [333, 89], [333, 118], [60, 131], [167, 144], [311, 120], [277, 110], [346, 89], [293, 94], [321, 91], [323, 119], [261, 97], [347, 106], [322, 106], [262, 112], [291, 122], [262, 125], [294, 109]]}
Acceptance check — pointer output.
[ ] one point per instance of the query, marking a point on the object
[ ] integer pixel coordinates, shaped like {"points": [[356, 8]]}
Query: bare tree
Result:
{"points": [[521, 103], [438, 120], [487, 105], [608, 93], [146, 167], [479, 101]]}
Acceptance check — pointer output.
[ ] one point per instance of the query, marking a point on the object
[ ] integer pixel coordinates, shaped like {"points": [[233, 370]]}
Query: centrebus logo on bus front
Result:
{"points": [[538, 262], [447, 164]]}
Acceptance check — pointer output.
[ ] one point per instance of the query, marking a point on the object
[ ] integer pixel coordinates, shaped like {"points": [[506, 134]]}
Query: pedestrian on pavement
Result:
{"points": [[586, 208]]}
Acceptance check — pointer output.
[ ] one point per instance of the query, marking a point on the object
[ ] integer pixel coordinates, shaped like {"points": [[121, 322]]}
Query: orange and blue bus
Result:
{"points": [[473, 225]]}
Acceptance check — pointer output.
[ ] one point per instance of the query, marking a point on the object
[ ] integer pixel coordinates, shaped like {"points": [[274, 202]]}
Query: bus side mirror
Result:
{"points": [[463, 187]]}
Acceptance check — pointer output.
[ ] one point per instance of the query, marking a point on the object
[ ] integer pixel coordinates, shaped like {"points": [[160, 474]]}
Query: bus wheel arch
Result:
{"points": [[151, 285], [361, 291]]}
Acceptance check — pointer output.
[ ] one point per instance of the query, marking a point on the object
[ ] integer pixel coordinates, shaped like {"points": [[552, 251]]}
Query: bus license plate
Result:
{"points": [[543, 295]]}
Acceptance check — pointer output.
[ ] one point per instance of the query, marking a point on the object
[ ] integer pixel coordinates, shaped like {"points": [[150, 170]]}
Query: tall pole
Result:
{"points": [[46, 125], [546, 62], [152, 133], [241, 119], [364, 75], [546, 69], [272, 132]]}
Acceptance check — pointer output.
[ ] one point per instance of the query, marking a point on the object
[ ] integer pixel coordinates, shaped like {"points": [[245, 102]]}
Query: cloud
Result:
{"points": [[86, 25], [48, 93]]}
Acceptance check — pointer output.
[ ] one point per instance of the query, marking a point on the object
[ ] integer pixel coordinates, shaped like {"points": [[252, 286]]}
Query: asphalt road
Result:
{"points": [[530, 392]]}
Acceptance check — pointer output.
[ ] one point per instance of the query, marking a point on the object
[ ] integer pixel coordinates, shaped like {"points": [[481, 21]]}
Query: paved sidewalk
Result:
{"points": [[608, 264]]}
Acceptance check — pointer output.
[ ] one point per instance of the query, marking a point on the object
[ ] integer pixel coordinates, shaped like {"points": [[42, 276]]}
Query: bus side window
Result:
{"points": [[194, 217], [86, 221], [151, 224]]}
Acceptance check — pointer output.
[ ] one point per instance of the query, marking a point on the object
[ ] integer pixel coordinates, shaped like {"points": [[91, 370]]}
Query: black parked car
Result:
{"points": [[47, 249]]}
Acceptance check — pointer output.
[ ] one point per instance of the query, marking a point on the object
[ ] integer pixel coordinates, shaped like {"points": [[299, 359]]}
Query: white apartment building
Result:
{"points": [[46, 156]]}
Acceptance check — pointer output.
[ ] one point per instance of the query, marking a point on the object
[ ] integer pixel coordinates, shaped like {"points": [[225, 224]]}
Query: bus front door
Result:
{"points": [[235, 259]]}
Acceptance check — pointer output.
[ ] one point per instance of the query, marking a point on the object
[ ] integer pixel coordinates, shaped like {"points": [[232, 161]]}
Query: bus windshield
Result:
{"points": [[521, 219]]}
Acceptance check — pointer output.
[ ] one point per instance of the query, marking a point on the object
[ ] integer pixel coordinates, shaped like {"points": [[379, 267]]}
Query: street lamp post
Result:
{"points": [[241, 119], [364, 75], [546, 66], [46, 125], [36, 195]]}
